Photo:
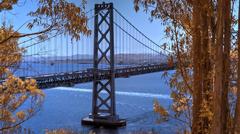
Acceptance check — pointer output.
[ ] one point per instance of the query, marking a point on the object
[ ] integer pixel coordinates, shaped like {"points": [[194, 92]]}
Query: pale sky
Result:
{"points": [[140, 19]]}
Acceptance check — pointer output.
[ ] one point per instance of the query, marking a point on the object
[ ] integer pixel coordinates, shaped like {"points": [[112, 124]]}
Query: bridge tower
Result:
{"points": [[103, 100]]}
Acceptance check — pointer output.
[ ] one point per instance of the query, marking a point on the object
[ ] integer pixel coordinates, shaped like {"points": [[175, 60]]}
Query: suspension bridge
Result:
{"points": [[116, 48]]}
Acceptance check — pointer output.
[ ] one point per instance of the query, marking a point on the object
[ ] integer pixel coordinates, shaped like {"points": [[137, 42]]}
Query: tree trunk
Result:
{"points": [[206, 63], [237, 110], [226, 65], [218, 79], [197, 82]]}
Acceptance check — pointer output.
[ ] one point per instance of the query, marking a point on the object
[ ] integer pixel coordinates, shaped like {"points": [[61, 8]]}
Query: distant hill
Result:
{"points": [[88, 59]]}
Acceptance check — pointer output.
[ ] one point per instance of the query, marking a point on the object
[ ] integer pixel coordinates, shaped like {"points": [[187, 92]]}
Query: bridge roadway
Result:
{"points": [[69, 79]]}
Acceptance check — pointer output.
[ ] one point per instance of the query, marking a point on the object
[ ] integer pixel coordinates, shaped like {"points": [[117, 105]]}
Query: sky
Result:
{"points": [[140, 19], [153, 29]]}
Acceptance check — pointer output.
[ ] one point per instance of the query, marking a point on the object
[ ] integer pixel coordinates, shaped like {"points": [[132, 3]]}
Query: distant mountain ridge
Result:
{"points": [[86, 58]]}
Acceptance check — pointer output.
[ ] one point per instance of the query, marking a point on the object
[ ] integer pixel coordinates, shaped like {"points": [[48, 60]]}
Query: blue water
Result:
{"points": [[64, 107]]}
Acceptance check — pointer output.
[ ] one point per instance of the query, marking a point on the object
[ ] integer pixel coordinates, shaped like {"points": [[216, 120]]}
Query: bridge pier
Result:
{"points": [[106, 122], [103, 100]]}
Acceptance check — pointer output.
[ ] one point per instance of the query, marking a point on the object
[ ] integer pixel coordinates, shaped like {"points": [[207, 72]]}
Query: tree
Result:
{"points": [[62, 17], [197, 70], [237, 110], [218, 79], [200, 34]]}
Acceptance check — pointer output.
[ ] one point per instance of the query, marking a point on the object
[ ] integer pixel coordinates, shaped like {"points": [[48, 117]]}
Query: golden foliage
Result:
{"points": [[182, 29], [159, 109], [7, 4], [10, 53], [13, 91], [176, 15], [53, 17], [59, 131], [62, 17]]}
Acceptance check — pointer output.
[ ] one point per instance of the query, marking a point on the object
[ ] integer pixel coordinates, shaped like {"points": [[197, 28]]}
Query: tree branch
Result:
{"points": [[25, 35]]}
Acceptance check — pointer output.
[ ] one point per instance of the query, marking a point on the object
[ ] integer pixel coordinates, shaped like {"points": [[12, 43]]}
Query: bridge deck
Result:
{"points": [[69, 79]]}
